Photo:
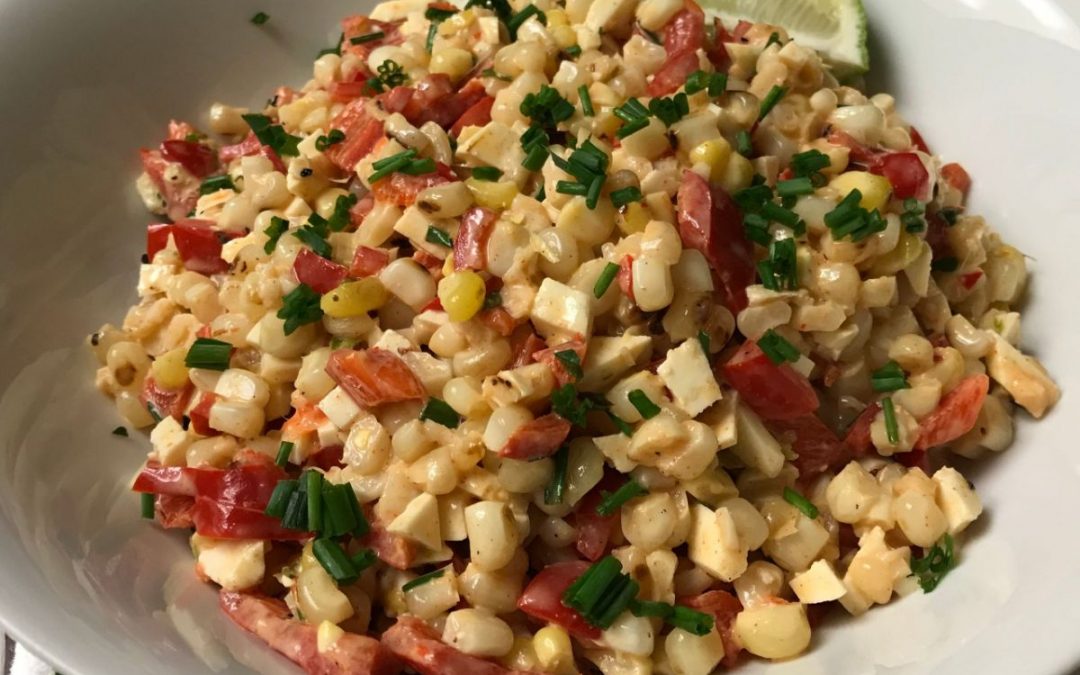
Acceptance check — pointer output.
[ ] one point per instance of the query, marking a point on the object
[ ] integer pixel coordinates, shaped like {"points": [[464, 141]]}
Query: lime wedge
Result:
{"points": [[836, 28]]}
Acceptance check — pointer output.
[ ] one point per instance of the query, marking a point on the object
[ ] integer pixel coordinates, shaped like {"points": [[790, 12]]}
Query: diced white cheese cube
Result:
{"points": [[415, 224], [152, 278], [1023, 377], [419, 522], [609, 15], [817, 584], [339, 408], [607, 358], [616, 448], [234, 564], [688, 375], [630, 635], [561, 313], [956, 498], [275, 370], [756, 447], [721, 417], [647, 382], [714, 543], [496, 145], [328, 434], [395, 342], [170, 442]]}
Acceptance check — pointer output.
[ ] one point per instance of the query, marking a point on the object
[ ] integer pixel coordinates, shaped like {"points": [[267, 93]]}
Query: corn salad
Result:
{"points": [[561, 337]]}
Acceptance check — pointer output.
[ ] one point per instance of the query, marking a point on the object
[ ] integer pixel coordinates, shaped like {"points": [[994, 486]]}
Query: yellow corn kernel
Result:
{"points": [[715, 154], [457, 23], [564, 36], [633, 218], [907, 250], [557, 17], [874, 189], [491, 194], [327, 636], [451, 61], [521, 656], [738, 174], [169, 370], [553, 650], [605, 123], [462, 294], [354, 298], [448, 265]]}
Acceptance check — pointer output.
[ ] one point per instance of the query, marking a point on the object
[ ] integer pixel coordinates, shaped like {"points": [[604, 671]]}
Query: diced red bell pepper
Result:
{"points": [[499, 320], [222, 520], [956, 176], [421, 647], [368, 261], [542, 599], [402, 189], [724, 607], [816, 445], [165, 402], [955, 415], [594, 531], [858, 435], [906, 173], [537, 438], [320, 274], [775, 392], [476, 116], [180, 195], [684, 34], [198, 159], [524, 345], [558, 368], [470, 244], [374, 376], [363, 132], [625, 276], [710, 222]]}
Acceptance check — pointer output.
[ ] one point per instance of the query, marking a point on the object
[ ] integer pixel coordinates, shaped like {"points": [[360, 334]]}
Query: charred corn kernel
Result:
{"points": [[875, 189], [451, 61], [737, 174], [355, 298], [715, 154], [553, 650], [491, 194], [169, 370], [328, 635], [462, 294], [564, 36], [907, 250], [633, 218]]}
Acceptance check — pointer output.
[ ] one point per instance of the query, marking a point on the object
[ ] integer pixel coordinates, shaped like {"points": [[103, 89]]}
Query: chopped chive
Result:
{"points": [[795, 187], [438, 236], [601, 593], [717, 84], [487, 173], [645, 407], [215, 183], [603, 282], [334, 560], [517, 20], [370, 37], [153, 411], [892, 430], [806, 164], [691, 620], [491, 72], [631, 128], [620, 424], [567, 187], [889, 377], [295, 517], [626, 195], [802, 503], [774, 39], [313, 484], [120, 431], [364, 559], [208, 354], [339, 517], [573, 51], [438, 410], [260, 18], [586, 100], [779, 214], [419, 167], [535, 157], [571, 362], [284, 451], [556, 487], [279, 498], [388, 165], [612, 502], [935, 564], [146, 505], [272, 135], [743, 143], [705, 341], [278, 226], [649, 608], [771, 99], [592, 197], [300, 307], [492, 300], [422, 579], [696, 81], [777, 348]]}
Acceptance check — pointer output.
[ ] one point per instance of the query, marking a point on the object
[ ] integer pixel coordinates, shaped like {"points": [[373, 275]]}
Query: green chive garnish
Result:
{"points": [[889, 377], [440, 411], [370, 37], [892, 430], [571, 362], [438, 236], [488, 173], [802, 503], [771, 99], [260, 18], [553, 493], [146, 505], [612, 502], [422, 579], [284, 451], [626, 195], [208, 354], [777, 348], [645, 407]]}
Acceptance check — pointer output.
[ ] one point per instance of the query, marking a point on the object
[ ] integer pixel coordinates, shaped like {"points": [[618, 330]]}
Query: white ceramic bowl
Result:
{"points": [[92, 589]]}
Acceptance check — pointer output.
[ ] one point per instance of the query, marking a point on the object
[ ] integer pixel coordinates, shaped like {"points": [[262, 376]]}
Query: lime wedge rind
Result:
{"points": [[836, 28]]}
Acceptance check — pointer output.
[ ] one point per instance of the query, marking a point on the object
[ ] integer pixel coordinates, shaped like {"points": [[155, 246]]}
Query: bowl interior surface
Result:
{"points": [[95, 590]]}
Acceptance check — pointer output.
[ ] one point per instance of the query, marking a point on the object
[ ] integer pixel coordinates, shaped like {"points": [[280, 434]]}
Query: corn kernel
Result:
{"points": [[521, 656], [451, 61], [169, 370], [557, 17], [491, 194], [738, 174], [907, 250], [354, 298], [448, 265], [328, 635], [553, 650], [462, 294], [564, 36], [715, 154], [875, 189], [633, 218]]}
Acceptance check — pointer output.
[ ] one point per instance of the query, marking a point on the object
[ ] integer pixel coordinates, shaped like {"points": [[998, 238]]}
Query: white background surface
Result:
{"points": [[990, 83]]}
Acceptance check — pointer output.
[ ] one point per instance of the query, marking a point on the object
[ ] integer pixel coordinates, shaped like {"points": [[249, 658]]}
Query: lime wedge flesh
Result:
{"points": [[837, 28]]}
